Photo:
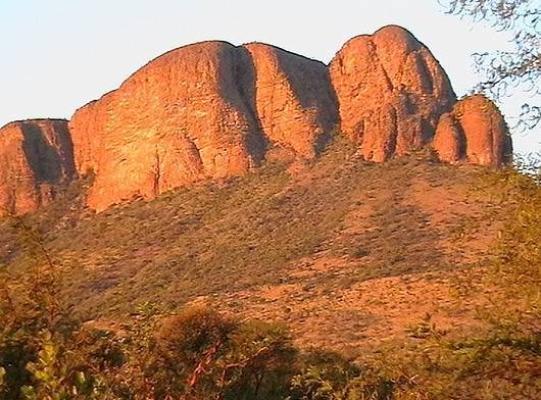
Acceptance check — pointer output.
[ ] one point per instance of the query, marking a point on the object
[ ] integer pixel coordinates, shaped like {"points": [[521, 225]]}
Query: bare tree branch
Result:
{"points": [[506, 71]]}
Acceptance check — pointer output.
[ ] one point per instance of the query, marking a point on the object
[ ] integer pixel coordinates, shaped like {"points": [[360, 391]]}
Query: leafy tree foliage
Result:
{"points": [[519, 68]]}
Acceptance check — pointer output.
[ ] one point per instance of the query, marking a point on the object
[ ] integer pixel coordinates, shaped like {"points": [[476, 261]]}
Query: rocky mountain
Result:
{"points": [[213, 110]]}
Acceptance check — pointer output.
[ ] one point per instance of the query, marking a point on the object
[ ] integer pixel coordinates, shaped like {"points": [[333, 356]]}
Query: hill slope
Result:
{"points": [[348, 253]]}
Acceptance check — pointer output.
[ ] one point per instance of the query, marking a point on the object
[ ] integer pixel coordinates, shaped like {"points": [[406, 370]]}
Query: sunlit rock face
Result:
{"points": [[294, 101], [209, 110], [179, 119], [391, 92], [474, 132]]}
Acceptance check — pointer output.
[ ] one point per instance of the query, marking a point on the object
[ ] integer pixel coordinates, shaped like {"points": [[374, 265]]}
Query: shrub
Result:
{"points": [[205, 355]]}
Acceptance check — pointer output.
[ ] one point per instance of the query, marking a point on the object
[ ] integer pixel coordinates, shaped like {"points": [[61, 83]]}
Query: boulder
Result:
{"points": [[474, 131]]}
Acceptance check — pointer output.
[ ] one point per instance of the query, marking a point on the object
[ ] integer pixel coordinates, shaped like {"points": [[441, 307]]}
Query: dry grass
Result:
{"points": [[346, 252]]}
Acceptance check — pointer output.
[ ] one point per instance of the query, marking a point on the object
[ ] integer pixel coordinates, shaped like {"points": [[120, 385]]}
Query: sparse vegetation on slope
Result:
{"points": [[316, 237], [396, 265]]}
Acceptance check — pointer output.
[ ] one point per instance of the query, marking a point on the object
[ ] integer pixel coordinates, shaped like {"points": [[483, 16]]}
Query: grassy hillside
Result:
{"points": [[347, 253]]}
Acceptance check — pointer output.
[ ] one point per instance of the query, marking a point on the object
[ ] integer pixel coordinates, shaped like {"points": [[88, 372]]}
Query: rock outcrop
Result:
{"points": [[449, 141], [35, 157], [213, 110], [474, 131], [294, 101], [391, 91], [175, 121], [207, 110]]}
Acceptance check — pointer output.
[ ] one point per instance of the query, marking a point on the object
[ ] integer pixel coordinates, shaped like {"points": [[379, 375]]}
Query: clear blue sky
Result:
{"points": [[57, 55]]}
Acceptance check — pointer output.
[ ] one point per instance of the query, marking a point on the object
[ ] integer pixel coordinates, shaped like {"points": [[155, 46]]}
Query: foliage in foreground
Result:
{"points": [[517, 69]]}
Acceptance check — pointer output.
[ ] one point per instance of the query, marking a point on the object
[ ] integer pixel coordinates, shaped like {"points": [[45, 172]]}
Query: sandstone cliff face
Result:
{"points": [[294, 100], [207, 110], [391, 91], [177, 120], [35, 157], [89, 125], [474, 131]]}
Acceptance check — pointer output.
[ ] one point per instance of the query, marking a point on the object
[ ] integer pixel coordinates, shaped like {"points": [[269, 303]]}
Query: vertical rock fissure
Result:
{"points": [[245, 82]]}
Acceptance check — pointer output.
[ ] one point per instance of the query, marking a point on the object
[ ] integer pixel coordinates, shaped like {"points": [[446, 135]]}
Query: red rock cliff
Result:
{"points": [[213, 110], [391, 91], [177, 120], [207, 110]]}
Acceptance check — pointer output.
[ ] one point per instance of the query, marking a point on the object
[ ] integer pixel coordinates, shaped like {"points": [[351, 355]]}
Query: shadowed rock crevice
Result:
{"points": [[37, 157], [49, 150], [245, 76]]}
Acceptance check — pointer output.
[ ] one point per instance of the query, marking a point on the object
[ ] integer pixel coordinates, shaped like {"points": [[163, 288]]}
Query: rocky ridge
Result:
{"points": [[213, 110]]}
